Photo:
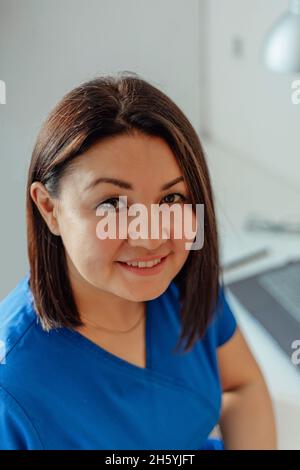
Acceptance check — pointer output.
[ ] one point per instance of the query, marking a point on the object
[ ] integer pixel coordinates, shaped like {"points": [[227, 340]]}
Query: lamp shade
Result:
{"points": [[281, 49]]}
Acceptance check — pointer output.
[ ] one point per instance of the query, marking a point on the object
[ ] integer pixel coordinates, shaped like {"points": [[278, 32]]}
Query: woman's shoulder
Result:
{"points": [[16, 317], [16, 321], [224, 322]]}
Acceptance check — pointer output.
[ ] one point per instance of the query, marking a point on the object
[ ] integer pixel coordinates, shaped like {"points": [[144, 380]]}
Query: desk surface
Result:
{"points": [[241, 188]]}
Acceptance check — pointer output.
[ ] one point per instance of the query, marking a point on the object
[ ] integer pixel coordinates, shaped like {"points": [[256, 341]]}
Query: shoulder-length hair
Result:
{"points": [[109, 106]]}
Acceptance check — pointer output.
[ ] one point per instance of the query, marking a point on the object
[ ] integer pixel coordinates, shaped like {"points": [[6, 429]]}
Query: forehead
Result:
{"points": [[136, 156]]}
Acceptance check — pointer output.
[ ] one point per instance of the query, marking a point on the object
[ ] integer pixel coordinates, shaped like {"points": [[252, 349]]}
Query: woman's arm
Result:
{"points": [[247, 418]]}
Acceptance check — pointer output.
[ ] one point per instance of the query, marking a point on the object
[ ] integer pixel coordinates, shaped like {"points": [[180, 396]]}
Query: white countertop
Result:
{"points": [[242, 187]]}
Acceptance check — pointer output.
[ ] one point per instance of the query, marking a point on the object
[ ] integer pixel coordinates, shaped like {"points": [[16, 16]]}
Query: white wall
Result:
{"points": [[250, 108], [49, 46]]}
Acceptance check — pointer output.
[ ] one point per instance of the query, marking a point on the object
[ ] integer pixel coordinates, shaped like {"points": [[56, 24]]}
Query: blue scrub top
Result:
{"points": [[59, 390]]}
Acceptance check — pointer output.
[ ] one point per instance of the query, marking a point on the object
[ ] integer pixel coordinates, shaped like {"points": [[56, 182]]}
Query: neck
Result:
{"points": [[102, 308]]}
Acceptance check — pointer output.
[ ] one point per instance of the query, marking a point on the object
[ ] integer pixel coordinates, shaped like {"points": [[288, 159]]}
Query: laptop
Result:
{"points": [[273, 298]]}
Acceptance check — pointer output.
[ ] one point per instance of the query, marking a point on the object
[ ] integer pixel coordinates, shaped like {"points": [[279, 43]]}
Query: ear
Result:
{"points": [[46, 206]]}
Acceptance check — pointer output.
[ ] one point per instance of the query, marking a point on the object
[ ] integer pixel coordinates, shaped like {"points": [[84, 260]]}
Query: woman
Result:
{"points": [[94, 356]]}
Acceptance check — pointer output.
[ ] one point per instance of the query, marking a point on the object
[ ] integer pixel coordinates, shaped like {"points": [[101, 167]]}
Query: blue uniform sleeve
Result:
{"points": [[16, 430], [225, 321]]}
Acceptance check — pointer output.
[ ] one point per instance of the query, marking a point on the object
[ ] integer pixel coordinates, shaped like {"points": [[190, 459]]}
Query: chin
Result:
{"points": [[149, 292]]}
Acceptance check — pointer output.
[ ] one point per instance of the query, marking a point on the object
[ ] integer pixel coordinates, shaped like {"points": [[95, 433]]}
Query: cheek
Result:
{"points": [[181, 245], [183, 232], [180, 251], [85, 249]]}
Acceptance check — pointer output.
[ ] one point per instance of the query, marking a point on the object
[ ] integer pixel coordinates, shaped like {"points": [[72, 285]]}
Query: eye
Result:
{"points": [[182, 197], [109, 202]]}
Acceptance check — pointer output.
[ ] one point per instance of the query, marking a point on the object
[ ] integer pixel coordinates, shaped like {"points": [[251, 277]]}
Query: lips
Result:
{"points": [[146, 267], [157, 268], [145, 260]]}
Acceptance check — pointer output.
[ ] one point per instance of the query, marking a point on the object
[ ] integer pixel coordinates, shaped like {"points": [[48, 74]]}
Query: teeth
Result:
{"points": [[144, 264]]}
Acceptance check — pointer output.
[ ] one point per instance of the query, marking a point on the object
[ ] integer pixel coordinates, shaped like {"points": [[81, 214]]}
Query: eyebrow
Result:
{"points": [[125, 185]]}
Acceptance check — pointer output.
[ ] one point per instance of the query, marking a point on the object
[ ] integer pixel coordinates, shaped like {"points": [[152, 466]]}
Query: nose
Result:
{"points": [[148, 243], [148, 232]]}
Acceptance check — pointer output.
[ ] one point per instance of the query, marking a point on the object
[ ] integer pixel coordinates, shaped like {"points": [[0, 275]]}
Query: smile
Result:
{"points": [[144, 264], [143, 267]]}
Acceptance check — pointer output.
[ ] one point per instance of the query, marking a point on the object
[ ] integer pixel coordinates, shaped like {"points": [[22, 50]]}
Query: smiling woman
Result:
{"points": [[117, 129], [93, 333]]}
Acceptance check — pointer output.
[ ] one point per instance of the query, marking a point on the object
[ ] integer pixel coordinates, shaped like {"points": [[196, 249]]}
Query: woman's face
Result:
{"points": [[146, 164]]}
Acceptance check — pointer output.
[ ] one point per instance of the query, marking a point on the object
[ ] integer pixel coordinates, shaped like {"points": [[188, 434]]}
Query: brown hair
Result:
{"points": [[109, 106]]}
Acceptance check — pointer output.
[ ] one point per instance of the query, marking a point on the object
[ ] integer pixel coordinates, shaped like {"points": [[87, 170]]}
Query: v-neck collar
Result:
{"points": [[113, 357]]}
